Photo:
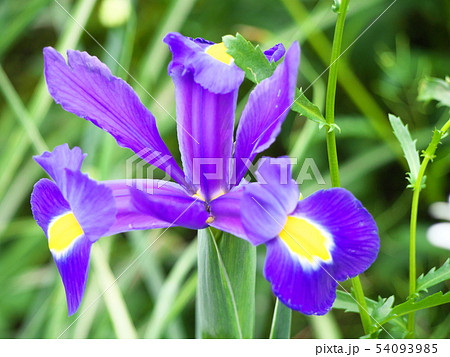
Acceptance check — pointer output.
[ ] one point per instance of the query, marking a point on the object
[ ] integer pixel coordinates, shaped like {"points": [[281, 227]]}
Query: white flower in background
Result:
{"points": [[114, 13], [439, 234]]}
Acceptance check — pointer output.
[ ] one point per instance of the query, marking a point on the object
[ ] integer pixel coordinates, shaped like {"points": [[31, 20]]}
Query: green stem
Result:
{"points": [[428, 156], [331, 142]]}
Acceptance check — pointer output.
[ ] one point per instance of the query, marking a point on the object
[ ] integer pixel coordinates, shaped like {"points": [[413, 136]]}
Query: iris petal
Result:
{"points": [[310, 291], [275, 53], [62, 157], [263, 216], [205, 113], [226, 211], [86, 87], [265, 111], [172, 207], [352, 228], [73, 266]]}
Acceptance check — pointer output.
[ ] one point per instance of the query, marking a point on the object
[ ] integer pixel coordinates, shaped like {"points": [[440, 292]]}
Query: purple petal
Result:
{"points": [[263, 216], [87, 88], [73, 266], [92, 204], [310, 291], [226, 211], [205, 133], [265, 111], [275, 53], [61, 158], [275, 175], [128, 217], [352, 228], [211, 74], [47, 202], [173, 206]]}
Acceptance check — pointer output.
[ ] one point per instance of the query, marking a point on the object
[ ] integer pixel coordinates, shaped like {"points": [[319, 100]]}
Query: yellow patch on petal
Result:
{"points": [[219, 52], [199, 196], [63, 231], [306, 240]]}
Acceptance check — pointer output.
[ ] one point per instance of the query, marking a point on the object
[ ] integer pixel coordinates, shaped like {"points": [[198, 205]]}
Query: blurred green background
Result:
{"points": [[155, 297]]}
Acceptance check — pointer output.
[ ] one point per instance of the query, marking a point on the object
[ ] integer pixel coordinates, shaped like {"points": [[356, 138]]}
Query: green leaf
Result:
{"points": [[435, 89], [249, 58], [413, 305], [408, 146], [281, 321], [226, 286], [383, 308], [345, 301], [434, 277], [304, 107]]}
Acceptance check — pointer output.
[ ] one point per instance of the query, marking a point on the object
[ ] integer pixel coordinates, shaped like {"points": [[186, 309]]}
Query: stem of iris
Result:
{"points": [[428, 156], [331, 143]]}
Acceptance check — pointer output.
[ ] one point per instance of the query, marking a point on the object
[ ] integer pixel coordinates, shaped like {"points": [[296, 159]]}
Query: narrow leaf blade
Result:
{"points": [[226, 286], [281, 322]]}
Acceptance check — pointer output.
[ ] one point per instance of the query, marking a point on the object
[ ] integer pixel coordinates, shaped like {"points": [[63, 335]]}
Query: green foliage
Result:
{"points": [[435, 89], [309, 110], [249, 58], [254, 63], [408, 146], [281, 321], [434, 277], [226, 273]]}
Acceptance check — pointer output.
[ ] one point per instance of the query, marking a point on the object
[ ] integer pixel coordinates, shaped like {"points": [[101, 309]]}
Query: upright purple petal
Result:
{"points": [[206, 93], [61, 158], [86, 87], [275, 53], [265, 111]]}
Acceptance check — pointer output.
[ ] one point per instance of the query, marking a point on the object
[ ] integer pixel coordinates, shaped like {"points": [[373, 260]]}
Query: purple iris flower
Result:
{"points": [[312, 243], [206, 193]]}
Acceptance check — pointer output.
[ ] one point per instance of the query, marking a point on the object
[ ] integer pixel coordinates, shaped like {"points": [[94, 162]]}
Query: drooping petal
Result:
{"points": [[226, 211], [172, 206], [206, 93], [61, 158], [265, 111], [275, 53], [263, 216], [217, 76], [66, 239], [47, 202], [73, 266], [310, 291], [86, 88], [352, 230]]}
